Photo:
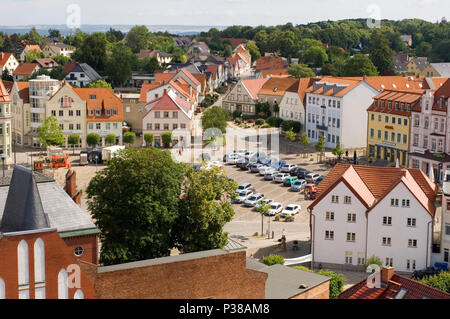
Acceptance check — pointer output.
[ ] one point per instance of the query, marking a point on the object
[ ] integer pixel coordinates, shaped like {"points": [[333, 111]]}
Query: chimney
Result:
{"points": [[165, 91], [71, 186], [386, 274]]}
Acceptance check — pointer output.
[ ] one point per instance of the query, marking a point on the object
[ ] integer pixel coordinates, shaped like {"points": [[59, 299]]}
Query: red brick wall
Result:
{"points": [[57, 257], [90, 245], [322, 291], [223, 277]]}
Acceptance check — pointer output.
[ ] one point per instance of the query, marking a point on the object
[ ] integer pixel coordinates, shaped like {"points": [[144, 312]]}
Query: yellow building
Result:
{"points": [[5, 123], [417, 65], [388, 131]]}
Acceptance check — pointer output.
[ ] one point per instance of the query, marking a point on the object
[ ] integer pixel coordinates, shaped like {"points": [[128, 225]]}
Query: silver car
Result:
{"points": [[253, 200], [269, 175], [298, 185], [286, 168], [243, 195], [255, 168], [279, 178], [266, 201], [275, 209]]}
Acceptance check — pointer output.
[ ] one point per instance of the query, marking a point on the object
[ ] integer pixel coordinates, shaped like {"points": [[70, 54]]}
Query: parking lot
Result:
{"points": [[247, 220]]}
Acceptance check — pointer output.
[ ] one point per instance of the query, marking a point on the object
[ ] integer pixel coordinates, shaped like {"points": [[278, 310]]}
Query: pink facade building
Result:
{"points": [[430, 134]]}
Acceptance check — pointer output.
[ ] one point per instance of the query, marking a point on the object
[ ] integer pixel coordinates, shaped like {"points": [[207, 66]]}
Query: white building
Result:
{"points": [[364, 211], [336, 109], [292, 106], [445, 231], [8, 62]]}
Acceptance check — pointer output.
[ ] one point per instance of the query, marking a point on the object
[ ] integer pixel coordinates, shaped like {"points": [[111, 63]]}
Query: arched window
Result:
{"points": [[39, 268], [2, 289], [78, 294], [63, 284], [23, 270]]}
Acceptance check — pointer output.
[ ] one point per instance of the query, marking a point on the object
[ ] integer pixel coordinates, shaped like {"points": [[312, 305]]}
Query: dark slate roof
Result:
{"points": [[90, 72], [23, 208]]}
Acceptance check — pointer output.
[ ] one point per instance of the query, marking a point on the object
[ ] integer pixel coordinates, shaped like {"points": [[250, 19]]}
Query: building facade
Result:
{"points": [[243, 96], [5, 123]]}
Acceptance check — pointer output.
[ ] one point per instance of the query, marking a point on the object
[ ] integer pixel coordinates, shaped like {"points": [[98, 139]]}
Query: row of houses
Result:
{"points": [[420, 66]]}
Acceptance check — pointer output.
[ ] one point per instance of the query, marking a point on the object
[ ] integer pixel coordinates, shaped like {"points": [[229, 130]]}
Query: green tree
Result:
{"points": [[73, 139], [120, 64], [374, 260], [6, 76], [33, 37], [291, 136], [262, 41], [316, 56], [337, 281], [204, 210], [228, 51], [254, 50], [263, 208], [166, 139], [304, 141], [50, 133], [148, 138], [61, 60], [138, 38], [93, 139], [320, 146], [149, 64], [300, 71], [110, 139], [32, 55], [134, 202], [338, 151], [381, 54], [93, 51], [54, 33], [440, 281], [273, 260], [215, 117], [101, 84], [129, 138], [360, 65]]}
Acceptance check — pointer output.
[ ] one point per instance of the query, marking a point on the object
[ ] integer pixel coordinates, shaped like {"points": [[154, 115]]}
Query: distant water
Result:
{"points": [[184, 30]]}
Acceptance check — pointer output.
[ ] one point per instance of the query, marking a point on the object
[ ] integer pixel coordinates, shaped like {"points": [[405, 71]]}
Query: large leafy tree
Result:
{"points": [[381, 54], [138, 38], [316, 56], [204, 210], [93, 51], [300, 71], [101, 84], [93, 139], [134, 202], [50, 133], [215, 117], [120, 64], [360, 65], [149, 64], [254, 50]]}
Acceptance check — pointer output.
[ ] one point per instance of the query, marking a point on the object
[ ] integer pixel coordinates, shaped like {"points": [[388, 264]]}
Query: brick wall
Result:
{"points": [[89, 243], [321, 291], [57, 256], [222, 277]]}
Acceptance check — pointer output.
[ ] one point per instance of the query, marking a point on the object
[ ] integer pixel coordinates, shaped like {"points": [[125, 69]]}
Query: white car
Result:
{"points": [[244, 187], [269, 175], [275, 209], [243, 195], [286, 168], [213, 164], [312, 177], [264, 170], [266, 201], [253, 200], [242, 152], [280, 177], [232, 159], [291, 210], [298, 185]]}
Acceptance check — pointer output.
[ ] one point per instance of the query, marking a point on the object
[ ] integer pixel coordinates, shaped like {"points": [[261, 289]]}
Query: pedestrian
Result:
{"points": [[179, 151]]}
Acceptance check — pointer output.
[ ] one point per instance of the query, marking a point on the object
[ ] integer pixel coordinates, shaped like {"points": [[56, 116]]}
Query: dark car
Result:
{"points": [[245, 166], [302, 173], [320, 179], [95, 157], [294, 171], [240, 162]]}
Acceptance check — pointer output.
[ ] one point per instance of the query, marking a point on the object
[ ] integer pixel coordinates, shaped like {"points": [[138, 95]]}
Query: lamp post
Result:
{"points": [[3, 162]]}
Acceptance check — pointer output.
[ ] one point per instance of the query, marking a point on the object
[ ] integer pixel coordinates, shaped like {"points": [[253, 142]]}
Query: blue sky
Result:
{"points": [[215, 12]]}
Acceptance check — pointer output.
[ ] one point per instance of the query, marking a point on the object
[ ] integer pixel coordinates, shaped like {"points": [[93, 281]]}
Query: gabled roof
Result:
{"points": [[277, 86], [191, 77], [202, 79], [24, 91], [274, 73], [421, 62], [253, 86], [442, 68], [23, 208], [8, 85], [380, 181], [104, 99], [88, 70], [164, 77], [33, 47], [25, 68], [46, 62], [168, 102], [4, 94], [324, 86], [69, 66], [4, 57], [147, 87], [405, 97], [269, 62]]}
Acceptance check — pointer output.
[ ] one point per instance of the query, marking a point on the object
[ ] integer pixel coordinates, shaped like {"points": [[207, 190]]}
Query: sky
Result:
{"points": [[215, 12]]}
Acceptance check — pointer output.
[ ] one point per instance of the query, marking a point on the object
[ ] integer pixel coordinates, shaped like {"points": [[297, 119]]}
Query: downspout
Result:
{"points": [[367, 235], [428, 237], [313, 237]]}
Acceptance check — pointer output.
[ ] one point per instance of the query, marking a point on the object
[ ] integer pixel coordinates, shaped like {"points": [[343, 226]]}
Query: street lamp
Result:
{"points": [[4, 156]]}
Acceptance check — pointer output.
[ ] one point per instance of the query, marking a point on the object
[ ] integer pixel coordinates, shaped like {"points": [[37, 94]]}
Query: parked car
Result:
{"points": [[277, 164], [241, 152], [279, 178], [253, 200], [255, 168], [319, 180], [266, 201], [245, 166], [286, 168], [294, 171], [244, 187], [234, 80], [289, 181], [275, 209], [290, 210], [243, 195], [232, 159], [265, 169], [312, 177], [84, 158], [298, 185], [302, 173], [240, 161], [269, 175], [198, 110], [310, 188], [95, 157]]}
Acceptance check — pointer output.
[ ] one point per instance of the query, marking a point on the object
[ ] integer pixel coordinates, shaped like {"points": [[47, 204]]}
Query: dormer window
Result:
{"points": [[98, 112], [108, 112], [92, 97]]}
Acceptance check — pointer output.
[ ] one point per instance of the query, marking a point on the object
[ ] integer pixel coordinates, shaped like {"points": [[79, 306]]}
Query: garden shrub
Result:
{"points": [[273, 260]]}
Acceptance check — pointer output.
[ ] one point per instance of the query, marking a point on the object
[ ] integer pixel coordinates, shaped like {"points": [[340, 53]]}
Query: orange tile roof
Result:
{"points": [[381, 83], [4, 57], [202, 79], [380, 181], [24, 91], [274, 73], [406, 97], [147, 87], [253, 86], [8, 85], [169, 102], [268, 62], [235, 41], [25, 68], [164, 77], [105, 99], [33, 47], [277, 86], [191, 77], [4, 95], [183, 89]]}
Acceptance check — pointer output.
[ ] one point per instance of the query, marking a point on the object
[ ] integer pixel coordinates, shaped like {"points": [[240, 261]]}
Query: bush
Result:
{"points": [[289, 219], [266, 126], [238, 121], [129, 138], [274, 121], [260, 122], [277, 218], [374, 260], [93, 139], [337, 282], [273, 260], [440, 281], [148, 138], [295, 126], [167, 139]]}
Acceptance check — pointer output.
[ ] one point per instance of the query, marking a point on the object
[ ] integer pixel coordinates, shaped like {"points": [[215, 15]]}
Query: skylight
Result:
{"points": [[402, 293]]}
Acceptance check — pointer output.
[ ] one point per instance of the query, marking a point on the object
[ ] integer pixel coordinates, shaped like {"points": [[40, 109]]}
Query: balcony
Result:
{"points": [[37, 110], [322, 127]]}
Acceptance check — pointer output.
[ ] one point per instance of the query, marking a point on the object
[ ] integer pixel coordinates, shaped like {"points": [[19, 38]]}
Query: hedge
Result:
{"points": [[273, 260]]}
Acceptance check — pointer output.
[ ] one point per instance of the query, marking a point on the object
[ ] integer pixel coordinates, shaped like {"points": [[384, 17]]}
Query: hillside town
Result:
{"points": [[244, 163]]}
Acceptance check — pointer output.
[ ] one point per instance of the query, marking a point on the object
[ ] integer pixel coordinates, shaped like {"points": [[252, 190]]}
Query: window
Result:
{"points": [[91, 126], [157, 126], [70, 113], [361, 259], [149, 126], [405, 202], [78, 113], [394, 202], [166, 115], [53, 113], [91, 112], [389, 262], [23, 270], [348, 257], [63, 285], [78, 126], [114, 111], [351, 218], [329, 235], [166, 127], [411, 264], [175, 126], [183, 126], [335, 199], [411, 222], [347, 200], [61, 126], [157, 114], [412, 243], [446, 255], [98, 112], [386, 241], [329, 216], [61, 113], [70, 126], [351, 237], [98, 126], [175, 115], [79, 251], [108, 126], [387, 221], [372, 132], [108, 112]]}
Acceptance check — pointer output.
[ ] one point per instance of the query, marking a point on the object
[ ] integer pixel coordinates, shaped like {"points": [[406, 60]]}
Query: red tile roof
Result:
{"points": [[25, 68], [349, 83], [405, 97], [69, 66], [253, 86], [170, 102], [24, 91], [8, 85], [164, 77], [4, 95], [147, 87], [277, 86], [269, 62], [104, 99], [274, 73], [191, 77], [33, 47], [4, 57]]}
